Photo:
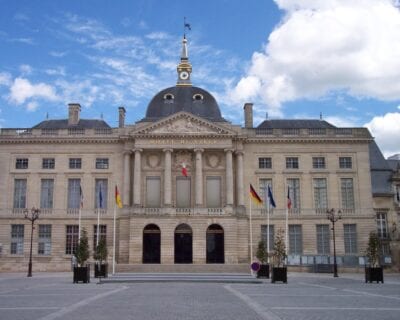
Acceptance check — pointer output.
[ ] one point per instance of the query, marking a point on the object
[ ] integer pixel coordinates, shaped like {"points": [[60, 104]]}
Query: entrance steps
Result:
{"points": [[180, 277], [182, 268]]}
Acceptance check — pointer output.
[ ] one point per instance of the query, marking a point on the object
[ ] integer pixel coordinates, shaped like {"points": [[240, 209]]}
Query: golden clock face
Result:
{"points": [[184, 75]]}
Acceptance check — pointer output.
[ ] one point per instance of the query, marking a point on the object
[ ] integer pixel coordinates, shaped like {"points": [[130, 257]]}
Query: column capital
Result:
{"points": [[137, 150], [168, 150], [228, 150], [196, 150], [127, 152], [239, 152]]}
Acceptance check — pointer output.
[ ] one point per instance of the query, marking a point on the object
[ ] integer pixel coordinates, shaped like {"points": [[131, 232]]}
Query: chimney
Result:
{"points": [[121, 121], [73, 113], [248, 115]]}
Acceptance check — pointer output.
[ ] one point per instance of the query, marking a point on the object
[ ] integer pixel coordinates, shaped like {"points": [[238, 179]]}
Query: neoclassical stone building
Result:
{"points": [[184, 174]]}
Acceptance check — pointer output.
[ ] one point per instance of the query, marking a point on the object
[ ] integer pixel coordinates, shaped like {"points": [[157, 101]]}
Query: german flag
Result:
{"points": [[255, 196]]}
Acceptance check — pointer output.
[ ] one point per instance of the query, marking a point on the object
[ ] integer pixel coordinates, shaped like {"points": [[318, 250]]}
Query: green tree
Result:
{"points": [[82, 251], [373, 249], [261, 253], [101, 252], [279, 254]]}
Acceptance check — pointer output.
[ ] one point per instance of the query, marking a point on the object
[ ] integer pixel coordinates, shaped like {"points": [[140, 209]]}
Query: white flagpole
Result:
{"points": [[251, 237], [287, 223], [113, 260], [267, 224], [79, 222]]}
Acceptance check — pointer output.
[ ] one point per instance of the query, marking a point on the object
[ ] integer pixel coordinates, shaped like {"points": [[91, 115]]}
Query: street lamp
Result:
{"points": [[333, 217], [32, 215]]}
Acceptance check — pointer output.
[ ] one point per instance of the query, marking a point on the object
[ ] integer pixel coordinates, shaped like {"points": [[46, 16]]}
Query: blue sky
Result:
{"points": [[291, 58]]}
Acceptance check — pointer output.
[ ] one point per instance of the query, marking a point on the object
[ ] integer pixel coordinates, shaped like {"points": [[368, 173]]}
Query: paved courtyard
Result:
{"points": [[48, 296]]}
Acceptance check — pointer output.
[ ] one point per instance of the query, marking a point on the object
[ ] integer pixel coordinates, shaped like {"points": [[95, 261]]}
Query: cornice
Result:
{"points": [[305, 140], [63, 140]]}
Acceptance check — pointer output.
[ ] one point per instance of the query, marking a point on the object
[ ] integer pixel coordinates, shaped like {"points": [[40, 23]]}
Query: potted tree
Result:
{"points": [[100, 255], [279, 270], [373, 270], [262, 256], [82, 270]]}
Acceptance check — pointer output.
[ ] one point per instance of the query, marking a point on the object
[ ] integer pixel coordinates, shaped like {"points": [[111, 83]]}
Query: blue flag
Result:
{"points": [[100, 197], [271, 197]]}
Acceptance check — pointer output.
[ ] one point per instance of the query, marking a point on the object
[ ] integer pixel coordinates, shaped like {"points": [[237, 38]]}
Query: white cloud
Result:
{"points": [[25, 69], [326, 46], [58, 71], [22, 90], [58, 54], [386, 130], [32, 106], [5, 79]]}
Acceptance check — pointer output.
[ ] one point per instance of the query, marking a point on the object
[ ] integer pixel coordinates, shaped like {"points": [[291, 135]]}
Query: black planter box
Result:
{"points": [[264, 271], [373, 274], [101, 270], [82, 274], [279, 274]]}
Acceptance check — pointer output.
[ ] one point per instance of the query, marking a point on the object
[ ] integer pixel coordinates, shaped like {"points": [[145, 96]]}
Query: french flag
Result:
{"points": [[184, 169], [289, 201]]}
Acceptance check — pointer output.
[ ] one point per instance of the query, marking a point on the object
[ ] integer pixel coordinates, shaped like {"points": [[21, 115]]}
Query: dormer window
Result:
{"points": [[198, 97], [169, 98]]}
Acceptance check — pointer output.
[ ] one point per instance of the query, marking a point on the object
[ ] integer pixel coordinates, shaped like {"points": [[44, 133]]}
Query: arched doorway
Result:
{"points": [[151, 244], [215, 244], [183, 244]]}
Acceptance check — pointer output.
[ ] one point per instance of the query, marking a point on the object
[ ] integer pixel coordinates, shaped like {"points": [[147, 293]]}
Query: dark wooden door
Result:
{"points": [[215, 245], [151, 245], [183, 247]]}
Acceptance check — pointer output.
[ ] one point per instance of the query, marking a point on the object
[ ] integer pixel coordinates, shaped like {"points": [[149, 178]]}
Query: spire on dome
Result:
{"points": [[184, 67]]}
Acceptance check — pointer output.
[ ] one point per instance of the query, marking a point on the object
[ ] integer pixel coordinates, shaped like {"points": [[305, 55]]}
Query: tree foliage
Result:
{"points": [[262, 254], [279, 254], [82, 251], [373, 249], [101, 252]]}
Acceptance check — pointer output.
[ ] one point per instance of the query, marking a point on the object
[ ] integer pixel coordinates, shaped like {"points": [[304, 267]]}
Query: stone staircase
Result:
{"points": [[182, 268]]}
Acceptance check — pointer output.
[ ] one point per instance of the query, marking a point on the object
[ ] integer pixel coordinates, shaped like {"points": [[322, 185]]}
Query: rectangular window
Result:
{"points": [[44, 245], [153, 192], [46, 193], [320, 194], [17, 239], [213, 185], [264, 236], [72, 236], [183, 192], [318, 162], [101, 193], [21, 163], [295, 239], [381, 225], [345, 163], [19, 193], [292, 163], [75, 163], [101, 163], [347, 192], [264, 163], [323, 239], [350, 238], [294, 193], [74, 195], [48, 163], [102, 234]]}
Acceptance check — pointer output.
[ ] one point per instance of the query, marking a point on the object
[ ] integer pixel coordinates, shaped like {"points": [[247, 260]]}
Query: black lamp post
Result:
{"points": [[32, 215], [333, 217]]}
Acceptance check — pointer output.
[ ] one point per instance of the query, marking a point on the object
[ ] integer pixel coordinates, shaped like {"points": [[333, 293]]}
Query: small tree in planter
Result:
{"points": [[279, 270], [374, 271], [100, 255], [262, 256], [82, 271]]}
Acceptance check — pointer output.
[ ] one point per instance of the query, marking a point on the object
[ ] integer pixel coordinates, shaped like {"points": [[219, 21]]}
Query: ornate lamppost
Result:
{"points": [[333, 217], [32, 215]]}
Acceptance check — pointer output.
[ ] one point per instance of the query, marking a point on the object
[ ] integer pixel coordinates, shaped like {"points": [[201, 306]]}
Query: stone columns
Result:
{"points": [[199, 176], [239, 176], [229, 177], [167, 178], [127, 178], [137, 177]]}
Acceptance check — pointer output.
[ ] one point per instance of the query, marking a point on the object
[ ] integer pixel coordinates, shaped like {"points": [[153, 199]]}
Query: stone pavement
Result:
{"points": [[48, 296]]}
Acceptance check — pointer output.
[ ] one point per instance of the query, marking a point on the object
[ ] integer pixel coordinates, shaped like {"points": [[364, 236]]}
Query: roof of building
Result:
{"points": [[63, 124], [394, 164], [183, 98], [381, 172], [295, 124]]}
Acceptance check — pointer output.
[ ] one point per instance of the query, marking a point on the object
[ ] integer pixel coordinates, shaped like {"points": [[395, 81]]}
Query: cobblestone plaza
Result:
{"points": [[49, 296]]}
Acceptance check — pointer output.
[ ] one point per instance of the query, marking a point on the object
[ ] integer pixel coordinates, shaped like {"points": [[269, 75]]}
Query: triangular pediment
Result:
{"points": [[183, 123]]}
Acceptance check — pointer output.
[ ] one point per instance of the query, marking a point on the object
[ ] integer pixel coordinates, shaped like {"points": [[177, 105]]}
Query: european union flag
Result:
{"points": [[271, 197]]}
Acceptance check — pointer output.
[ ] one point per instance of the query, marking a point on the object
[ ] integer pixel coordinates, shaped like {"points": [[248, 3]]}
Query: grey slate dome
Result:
{"points": [[190, 99]]}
